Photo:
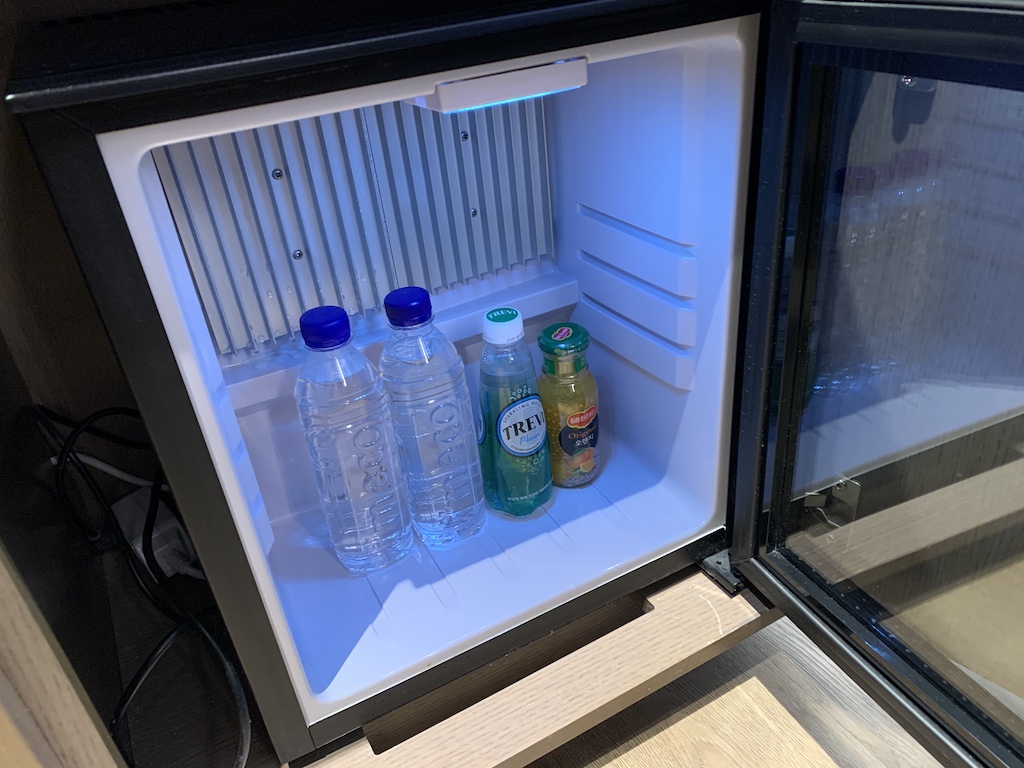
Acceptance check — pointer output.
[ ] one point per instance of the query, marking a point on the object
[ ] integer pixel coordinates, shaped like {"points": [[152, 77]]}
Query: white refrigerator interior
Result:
{"points": [[619, 204]]}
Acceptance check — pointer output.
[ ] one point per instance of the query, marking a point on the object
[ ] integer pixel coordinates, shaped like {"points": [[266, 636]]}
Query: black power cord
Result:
{"points": [[64, 456], [91, 534], [94, 431], [137, 568], [237, 691], [140, 677], [135, 684], [165, 598]]}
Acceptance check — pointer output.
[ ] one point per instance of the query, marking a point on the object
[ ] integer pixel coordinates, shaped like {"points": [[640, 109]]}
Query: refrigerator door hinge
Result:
{"points": [[837, 504], [719, 568]]}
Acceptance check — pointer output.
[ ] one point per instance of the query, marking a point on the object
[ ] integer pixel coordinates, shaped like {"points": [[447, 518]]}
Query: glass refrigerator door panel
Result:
{"points": [[907, 494]]}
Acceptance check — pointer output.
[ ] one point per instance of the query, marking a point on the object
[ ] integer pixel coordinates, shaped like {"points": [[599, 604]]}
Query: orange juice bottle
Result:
{"points": [[569, 394]]}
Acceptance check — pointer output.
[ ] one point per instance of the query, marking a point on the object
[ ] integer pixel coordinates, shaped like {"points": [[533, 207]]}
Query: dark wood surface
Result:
{"points": [[55, 351], [51, 326], [46, 313], [61, 571]]}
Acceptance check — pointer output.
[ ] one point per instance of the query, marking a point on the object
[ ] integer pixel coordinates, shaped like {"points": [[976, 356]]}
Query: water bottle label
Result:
{"points": [[522, 430]]}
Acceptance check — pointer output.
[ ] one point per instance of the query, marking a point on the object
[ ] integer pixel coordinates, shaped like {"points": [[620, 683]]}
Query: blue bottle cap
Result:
{"points": [[325, 327], [407, 307]]}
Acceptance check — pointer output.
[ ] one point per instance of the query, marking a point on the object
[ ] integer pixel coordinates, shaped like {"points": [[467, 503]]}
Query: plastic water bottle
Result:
{"points": [[433, 415], [515, 452], [351, 439]]}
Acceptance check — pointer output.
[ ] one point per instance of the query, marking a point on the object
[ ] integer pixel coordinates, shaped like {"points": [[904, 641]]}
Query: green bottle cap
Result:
{"points": [[503, 325], [563, 339]]}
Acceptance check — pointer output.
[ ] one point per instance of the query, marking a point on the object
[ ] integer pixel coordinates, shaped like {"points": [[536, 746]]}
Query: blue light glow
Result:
{"points": [[511, 101]]}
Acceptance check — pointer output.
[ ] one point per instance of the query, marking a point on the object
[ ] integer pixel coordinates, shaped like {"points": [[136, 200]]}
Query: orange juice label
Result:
{"points": [[574, 455]]}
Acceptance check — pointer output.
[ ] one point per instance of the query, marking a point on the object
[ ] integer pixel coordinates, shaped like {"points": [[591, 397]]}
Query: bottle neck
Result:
{"points": [[505, 347], [564, 366], [335, 348], [413, 331]]}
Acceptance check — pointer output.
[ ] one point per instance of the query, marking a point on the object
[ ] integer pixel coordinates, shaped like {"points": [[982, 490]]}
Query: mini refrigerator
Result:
{"points": [[792, 228]]}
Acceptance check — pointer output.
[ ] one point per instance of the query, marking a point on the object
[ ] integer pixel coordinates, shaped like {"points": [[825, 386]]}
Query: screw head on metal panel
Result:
{"points": [[277, 173], [840, 485], [297, 254], [907, 80], [465, 136], [473, 212]]}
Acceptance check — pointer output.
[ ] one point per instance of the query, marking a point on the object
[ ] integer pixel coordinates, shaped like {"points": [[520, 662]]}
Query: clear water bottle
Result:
{"points": [[433, 415], [351, 439]]}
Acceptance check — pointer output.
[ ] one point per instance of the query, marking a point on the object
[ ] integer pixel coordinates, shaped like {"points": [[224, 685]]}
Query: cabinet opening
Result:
{"points": [[617, 205]]}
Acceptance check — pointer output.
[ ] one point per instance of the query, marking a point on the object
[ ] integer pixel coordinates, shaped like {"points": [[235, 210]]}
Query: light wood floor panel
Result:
{"points": [[690, 622], [773, 700]]}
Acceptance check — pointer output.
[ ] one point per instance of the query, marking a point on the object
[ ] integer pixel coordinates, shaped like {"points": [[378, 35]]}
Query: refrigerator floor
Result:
{"points": [[358, 635]]}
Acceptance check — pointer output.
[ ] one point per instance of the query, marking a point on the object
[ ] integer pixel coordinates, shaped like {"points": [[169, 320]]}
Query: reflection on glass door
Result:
{"points": [[908, 475]]}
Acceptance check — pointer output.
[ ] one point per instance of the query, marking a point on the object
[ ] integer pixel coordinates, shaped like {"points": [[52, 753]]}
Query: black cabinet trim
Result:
{"points": [[286, 60], [764, 242]]}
